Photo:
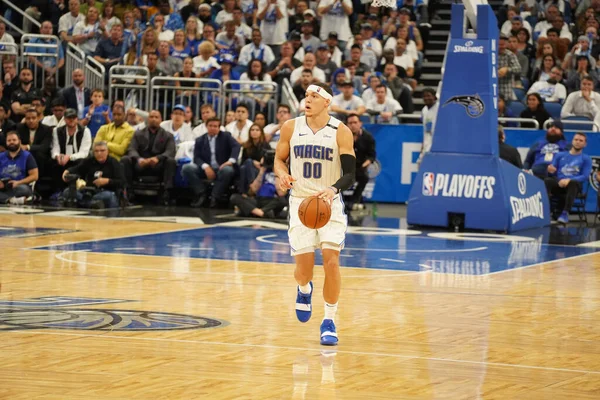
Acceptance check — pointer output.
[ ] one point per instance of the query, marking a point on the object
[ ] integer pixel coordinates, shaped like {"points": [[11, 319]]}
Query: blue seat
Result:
{"points": [[575, 126], [516, 108], [366, 119], [553, 109], [520, 93], [525, 83]]}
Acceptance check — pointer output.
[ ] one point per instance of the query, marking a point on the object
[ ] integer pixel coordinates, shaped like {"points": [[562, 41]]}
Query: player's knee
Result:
{"points": [[331, 264]]}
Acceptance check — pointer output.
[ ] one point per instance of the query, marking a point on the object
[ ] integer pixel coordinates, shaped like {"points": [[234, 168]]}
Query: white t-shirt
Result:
{"points": [[222, 17], [7, 38], [234, 43], [405, 61], [369, 94], [318, 74], [336, 19], [250, 51], [548, 92], [257, 84], [183, 134], [51, 121], [202, 65], [351, 104], [390, 105], [89, 45], [274, 30], [67, 23], [411, 48], [243, 134], [244, 30], [167, 35]]}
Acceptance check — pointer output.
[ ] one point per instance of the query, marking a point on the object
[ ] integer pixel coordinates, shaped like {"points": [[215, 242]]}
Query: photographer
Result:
{"points": [[17, 170], [103, 177], [264, 198]]}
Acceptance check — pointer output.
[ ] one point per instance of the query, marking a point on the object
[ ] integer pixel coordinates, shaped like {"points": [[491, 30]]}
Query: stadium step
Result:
{"points": [[431, 77], [437, 44]]}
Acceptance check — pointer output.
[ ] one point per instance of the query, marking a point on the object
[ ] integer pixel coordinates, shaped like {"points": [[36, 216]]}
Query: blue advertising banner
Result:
{"points": [[398, 148]]}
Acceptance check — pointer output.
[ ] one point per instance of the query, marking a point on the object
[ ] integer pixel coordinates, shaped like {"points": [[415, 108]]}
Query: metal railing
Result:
{"points": [[12, 26], [131, 84], [566, 122], [536, 124], [164, 94], [25, 16], [95, 73], [40, 49], [9, 49], [288, 97], [74, 59], [236, 92]]}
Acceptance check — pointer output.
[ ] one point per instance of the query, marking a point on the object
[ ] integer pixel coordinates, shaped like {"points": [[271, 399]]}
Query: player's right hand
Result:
{"points": [[286, 181]]}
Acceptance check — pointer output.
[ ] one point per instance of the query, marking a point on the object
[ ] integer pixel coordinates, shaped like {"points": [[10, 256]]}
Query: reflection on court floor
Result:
{"points": [[378, 248]]}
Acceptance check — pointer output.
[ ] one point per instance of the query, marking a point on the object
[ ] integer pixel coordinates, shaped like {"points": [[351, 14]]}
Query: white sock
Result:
{"points": [[306, 289], [330, 311]]}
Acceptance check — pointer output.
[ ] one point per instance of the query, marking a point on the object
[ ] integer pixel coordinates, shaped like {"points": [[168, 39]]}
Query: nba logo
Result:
{"points": [[428, 179]]}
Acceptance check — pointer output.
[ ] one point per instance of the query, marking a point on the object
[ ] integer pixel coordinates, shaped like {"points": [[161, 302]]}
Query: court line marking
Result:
{"points": [[266, 239], [542, 263], [109, 335], [61, 257], [392, 260]]}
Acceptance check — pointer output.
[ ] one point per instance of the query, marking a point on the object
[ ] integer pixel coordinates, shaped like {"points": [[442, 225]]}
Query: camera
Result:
{"points": [[269, 159], [71, 178]]}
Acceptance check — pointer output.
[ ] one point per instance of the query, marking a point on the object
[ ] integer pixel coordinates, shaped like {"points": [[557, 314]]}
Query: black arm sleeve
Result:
{"points": [[349, 172]]}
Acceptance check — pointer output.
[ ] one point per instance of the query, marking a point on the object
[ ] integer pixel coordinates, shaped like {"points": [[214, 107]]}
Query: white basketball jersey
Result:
{"points": [[314, 157]]}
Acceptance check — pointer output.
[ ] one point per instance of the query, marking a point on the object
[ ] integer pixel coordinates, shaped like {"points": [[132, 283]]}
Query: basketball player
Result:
{"points": [[320, 150]]}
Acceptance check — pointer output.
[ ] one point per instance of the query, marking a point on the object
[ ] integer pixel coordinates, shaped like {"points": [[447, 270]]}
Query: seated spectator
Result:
{"points": [[184, 94], [572, 169], [363, 67], [272, 130], [264, 198], [535, 110], [386, 109], [46, 65], [347, 103], [302, 84], [309, 41], [256, 50], [77, 96], [241, 28], [513, 21], [56, 119], [180, 49], [97, 113], [324, 61], [369, 93], [226, 73], [204, 63], [252, 92], [5, 37], [401, 91], [575, 77], [507, 152], [67, 22], [283, 66], [169, 65], [364, 148], [310, 63], [135, 120], [403, 59], [229, 117], [411, 45], [240, 128], [147, 43], [177, 127], [524, 45], [260, 119], [6, 124], [173, 19], [117, 135], [206, 112], [193, 33], [542, 153], [36, 138], [580, 49], [505, 112], [103, 176], [18, 170], [111, 50], [209, 35], [151, 153], [108, 19], [229, 40], [253, 150], [11, 79], [226, 14], [86, 33], [215, 155], [23, 96], [551, 90], [582, 103], [189, 118], [71, 144]]}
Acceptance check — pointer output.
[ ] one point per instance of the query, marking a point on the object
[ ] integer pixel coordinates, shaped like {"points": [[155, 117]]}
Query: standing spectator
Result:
{"points": [[383, 107], [240, 128], [117, 135], [551, 91], [18, 170], [241, 28], [253, 150], [36, 138], [110, 51], [274, 22], [336, 13], [523, 60], [572, 169], [22, 97], [582, 103], [542, 153], [168, 64], [256, 50], [429, 116], [535, 110], [86, 33], [508, 69], [347, 103], [151, 152], [226, 14], [67, 22], [71, 144], [215, 155], [507, 152], [77, 96], [97, 113], [193, 34], [309, 42], [364, 148]]}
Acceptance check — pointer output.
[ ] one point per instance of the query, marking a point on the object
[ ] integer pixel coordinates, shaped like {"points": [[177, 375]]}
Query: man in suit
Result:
{"points": [[215, 157], [77, 96], [151, 152], [37, 139]]}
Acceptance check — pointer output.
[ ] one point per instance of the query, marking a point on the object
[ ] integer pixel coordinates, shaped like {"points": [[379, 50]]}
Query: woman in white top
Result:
{"points": [[205, 63], [86, 33], [256, 73], [108, 18], [411, 45]]}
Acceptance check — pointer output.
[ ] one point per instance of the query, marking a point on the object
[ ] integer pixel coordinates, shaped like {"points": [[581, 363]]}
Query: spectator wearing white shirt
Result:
{"points": [[557, 22], [429, 116], [347, 102], [241, 28], [309, 41], [403, 59], [369, 42], [256, 50], [226, 14], [67, 22], [56, 120], [6, 37], [336, 15], [274, 22], [260, 83], [204, 62], [383, 107], [582, 103], [86, 33], [509, 25], [181, 131], [240, 127], [272, 130], [310, 62], [411, 45], [551, 90], [369, 93], [228, 40], [334, 50]]}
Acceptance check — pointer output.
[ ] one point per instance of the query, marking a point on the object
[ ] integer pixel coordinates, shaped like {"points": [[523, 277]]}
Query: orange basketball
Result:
{"points": [[314, 213]]}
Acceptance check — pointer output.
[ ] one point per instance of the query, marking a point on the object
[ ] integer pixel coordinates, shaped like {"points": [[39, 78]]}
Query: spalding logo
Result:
{"points": [[468, 48], [530, 207], [473, 104], [459, 186]]}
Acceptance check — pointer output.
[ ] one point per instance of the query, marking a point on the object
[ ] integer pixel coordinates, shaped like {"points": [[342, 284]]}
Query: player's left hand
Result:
{"points": [[327, 194]]}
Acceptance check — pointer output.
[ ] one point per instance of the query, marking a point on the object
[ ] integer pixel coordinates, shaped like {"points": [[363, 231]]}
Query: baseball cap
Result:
{"points": [[404, 10], [323, 46], [366, 26], [309, 12], [333, 35], [179, 107], [204, 5], [517, 18], [373, 17], [225, 58], [70, 113], [295, 36], [557, 124]]}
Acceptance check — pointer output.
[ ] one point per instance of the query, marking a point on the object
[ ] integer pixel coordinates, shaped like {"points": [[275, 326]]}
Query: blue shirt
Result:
{"points": [[174, 22], [17, 168], [108, 50], [576, 167], [47, 61], [183, 54], [542, 154], [97, 119], [267, 188]]}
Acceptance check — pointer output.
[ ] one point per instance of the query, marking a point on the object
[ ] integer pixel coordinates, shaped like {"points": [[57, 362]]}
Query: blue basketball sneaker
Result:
{"points": [[563, 218], [303, 304], [328, 334]]}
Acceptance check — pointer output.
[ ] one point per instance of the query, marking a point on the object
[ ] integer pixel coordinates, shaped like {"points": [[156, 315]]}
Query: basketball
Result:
{"points": [[314, 213]]}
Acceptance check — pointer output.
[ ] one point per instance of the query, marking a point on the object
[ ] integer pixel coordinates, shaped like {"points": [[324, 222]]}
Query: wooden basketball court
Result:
{"points": [[89, 324]]}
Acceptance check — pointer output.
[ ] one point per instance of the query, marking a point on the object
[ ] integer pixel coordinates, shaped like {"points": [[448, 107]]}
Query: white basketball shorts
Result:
{"points": [[331, 236]]}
